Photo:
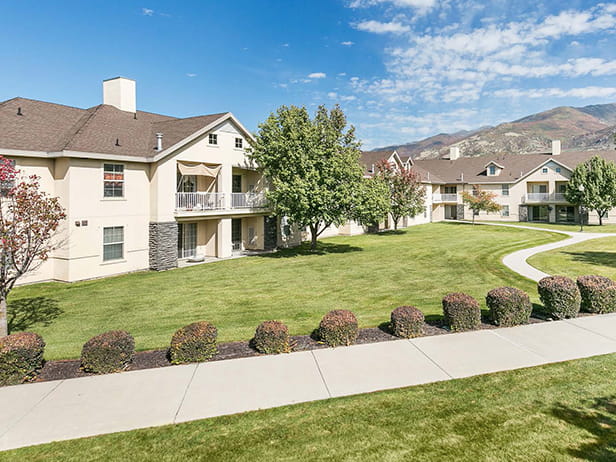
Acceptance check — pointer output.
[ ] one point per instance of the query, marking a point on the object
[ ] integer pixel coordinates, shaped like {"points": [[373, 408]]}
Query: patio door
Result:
{"points": [[187, 240], [539, 213], [236, 234], [565, 214], [451, 212]]}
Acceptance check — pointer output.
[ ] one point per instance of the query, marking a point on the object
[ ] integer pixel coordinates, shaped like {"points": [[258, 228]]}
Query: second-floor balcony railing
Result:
{"points": [[444, 198], [197, 201], [545, 197]]}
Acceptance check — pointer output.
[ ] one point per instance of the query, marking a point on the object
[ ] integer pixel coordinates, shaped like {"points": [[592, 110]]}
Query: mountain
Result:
{"points": [[584, 128]]}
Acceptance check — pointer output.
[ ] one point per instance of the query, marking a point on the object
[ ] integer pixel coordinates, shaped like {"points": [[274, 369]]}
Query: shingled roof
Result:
{"points": [[32, 125], [515, 166]]}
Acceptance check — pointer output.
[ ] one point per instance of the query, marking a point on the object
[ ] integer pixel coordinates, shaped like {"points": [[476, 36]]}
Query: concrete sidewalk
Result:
{"points": [[51, 411]]}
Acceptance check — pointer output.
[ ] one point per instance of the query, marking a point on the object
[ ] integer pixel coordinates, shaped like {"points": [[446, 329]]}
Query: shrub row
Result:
{"points": [[21, 354]]}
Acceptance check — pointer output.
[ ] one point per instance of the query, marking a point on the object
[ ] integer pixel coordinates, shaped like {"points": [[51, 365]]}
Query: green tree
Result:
{"points": [[312, 166], [480, 201], [593, 185], [373, 204], [407, 195]]}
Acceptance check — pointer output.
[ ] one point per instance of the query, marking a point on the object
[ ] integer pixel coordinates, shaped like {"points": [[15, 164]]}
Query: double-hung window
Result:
{"points": [[505, 189], [213, 138], [113, 243], [239, 143], [113, 180]]}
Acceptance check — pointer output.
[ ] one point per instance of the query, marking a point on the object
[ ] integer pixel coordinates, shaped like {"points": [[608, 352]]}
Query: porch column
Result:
{"points": [[223, 238]]}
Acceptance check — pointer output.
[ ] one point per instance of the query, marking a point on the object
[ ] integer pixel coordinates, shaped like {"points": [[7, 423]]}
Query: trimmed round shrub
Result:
{"points": [[21, 357], [338, 327], [461, 312], [108, 352], [193, 343], [598, 294], [407, 322], [560, 296], [272, 337], [509, 306]]}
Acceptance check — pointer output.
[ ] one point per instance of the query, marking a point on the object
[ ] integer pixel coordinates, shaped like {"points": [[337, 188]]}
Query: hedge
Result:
{"points": [[509, 306], [461, 312], [193, 343], [338, 327], [407, 322], [598, 294], [111, 351], [21, 357], [272, 337], [560, 296]]}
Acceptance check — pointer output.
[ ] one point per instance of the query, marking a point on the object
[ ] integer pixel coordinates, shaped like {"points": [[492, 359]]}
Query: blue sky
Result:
{"points": [[402, 69]]}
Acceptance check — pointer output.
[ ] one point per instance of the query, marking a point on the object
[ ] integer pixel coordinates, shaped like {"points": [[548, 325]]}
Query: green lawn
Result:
{"points": [[564, 411], [575, 227], [597, 256], [369, 274]]}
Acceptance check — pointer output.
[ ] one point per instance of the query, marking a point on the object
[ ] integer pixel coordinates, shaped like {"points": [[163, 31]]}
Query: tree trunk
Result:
{"points": [[395, 223], [601, 218], [314, 236], [4, 328]]}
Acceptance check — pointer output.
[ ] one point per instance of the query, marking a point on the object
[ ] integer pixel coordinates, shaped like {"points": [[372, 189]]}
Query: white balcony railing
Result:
{"points": [[197, 201], [247, 200], [444, 198], [545, 197], [559, 197]]}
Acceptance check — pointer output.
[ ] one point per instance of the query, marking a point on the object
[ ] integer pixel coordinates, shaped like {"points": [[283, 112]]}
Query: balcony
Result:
{"points": [[533, 198], [444, 198], [204, 201]]}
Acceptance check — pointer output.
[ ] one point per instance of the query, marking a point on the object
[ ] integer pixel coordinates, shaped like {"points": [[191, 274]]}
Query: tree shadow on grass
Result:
{"points": [[323, 248], [27, 312], [594, 258], [390, 232], [597, 417]]}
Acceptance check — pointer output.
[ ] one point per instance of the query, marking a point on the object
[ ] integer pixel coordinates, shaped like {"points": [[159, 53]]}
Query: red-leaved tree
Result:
{"points": [[406, 193], [29, 219], [480, 201]]}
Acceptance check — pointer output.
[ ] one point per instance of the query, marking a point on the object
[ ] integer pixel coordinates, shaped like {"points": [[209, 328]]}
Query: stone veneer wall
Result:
{"points": [[523, 213], [460, 212], [163, 245]]}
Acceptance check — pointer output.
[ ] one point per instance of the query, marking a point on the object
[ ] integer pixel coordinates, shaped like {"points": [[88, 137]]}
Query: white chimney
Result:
{"points": [[454, 152], [555, 147], [121, 93]]}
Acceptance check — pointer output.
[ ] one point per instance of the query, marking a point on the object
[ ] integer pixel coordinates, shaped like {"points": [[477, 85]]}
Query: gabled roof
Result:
{"points": [[370, 158], [493, 163], [31, 125], [515, 166]]}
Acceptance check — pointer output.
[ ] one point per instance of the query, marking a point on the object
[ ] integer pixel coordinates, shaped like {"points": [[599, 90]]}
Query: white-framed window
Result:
{"points": [[113, 180], [557, 169], [239, 143], [544, 170], [492, 170], [113, 243], [505, 211], [505, 190], [213, 138]]}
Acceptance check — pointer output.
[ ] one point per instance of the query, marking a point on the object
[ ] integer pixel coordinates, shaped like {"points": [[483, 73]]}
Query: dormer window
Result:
{"points": [[492, 170]]}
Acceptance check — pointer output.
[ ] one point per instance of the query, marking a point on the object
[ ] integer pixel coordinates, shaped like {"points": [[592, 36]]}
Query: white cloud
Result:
{"points": [[341, 74], [421, 6], [286, 45], [583, 92], [190, 74], [317, 75], [377, 27], [347, 43], [335, 96], [147, 11]]}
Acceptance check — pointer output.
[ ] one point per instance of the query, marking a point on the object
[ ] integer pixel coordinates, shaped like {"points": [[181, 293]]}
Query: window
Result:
{"points": [[505, 190], [544, 170], [213, 138], [505, 211], [491, 170], [113, 180], [113, 243], [239, 143], [450, 190], [7, 185], [557, 169]]}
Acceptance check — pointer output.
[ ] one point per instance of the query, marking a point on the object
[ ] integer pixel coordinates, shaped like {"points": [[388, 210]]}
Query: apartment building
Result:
{"points": [[141, 190], [529, 187]]}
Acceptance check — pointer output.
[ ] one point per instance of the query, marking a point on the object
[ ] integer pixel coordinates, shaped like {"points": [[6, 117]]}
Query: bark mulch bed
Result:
{"points": [[70, 368]]}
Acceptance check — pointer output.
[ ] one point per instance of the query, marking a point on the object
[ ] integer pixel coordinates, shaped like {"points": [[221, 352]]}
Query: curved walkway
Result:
{"points": [[517, 261]]}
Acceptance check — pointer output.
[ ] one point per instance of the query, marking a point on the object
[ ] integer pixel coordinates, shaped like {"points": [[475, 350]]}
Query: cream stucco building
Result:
{"points": [[141, 190]]}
